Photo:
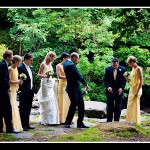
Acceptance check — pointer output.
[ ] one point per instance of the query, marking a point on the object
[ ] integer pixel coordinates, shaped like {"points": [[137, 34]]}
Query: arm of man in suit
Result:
{"points": [[79, 76], [19, 70], [105, 79], [34, 83], [123, 81], [4, 71]]}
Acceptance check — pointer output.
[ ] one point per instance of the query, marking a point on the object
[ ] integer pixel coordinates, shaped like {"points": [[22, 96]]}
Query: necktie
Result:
{"points": [[115, 74]]}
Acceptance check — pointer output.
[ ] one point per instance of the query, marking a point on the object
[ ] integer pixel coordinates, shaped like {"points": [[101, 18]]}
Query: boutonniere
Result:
{"points": [[119, 69]]}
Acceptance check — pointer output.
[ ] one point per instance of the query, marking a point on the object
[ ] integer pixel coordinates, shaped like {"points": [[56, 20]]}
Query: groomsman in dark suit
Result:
{"points": [[114, 82], [74, 91], [5, 105], [27, 91]]}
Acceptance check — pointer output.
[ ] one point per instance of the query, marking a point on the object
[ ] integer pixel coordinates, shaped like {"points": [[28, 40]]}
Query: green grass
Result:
{"points": [[48, 129], [145, 116], [125, 134], [146, 123], [144, 132], [5, 137], [135, 131], [89, 135]]}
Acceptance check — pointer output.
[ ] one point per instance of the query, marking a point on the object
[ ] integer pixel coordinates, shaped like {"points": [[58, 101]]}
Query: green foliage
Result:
{"points": [[142, 39], [97, 34], [2, 49]]}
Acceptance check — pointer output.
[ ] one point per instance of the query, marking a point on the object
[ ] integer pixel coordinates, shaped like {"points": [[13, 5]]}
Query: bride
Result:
{"points": [[47, 94]]}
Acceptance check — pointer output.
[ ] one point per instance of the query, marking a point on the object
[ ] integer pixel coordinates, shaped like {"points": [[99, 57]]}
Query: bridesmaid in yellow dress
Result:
{"points": [[135, 92], [14, 81], [63, 99]]}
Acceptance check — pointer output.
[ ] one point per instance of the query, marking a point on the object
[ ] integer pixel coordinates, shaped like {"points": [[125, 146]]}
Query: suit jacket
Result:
{"points": [[73, 76], [4, 76], [109, 81], [26, 86]]}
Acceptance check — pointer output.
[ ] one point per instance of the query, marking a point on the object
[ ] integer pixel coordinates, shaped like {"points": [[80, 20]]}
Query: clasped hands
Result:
{"points": [[110, 90]]}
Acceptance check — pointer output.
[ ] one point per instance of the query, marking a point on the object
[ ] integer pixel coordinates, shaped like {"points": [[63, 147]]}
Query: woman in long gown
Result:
{"points": [[135, 92], [47, 94], [63, 99], [14, 85]]}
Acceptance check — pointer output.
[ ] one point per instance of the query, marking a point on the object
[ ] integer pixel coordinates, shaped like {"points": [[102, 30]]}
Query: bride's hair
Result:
{"points": [[49, 56]]}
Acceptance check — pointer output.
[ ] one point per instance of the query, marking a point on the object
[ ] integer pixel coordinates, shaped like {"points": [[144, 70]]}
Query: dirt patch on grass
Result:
{"points": [[122, 132]]}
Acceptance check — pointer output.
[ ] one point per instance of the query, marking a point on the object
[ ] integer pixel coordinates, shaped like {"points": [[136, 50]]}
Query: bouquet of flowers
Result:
{"points": [[23, 76], [126, 75], [49, 73]]}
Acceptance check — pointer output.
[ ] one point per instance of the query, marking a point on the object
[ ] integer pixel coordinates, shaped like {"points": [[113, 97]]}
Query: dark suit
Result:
{"points": [[5, 105], [25, 96], [120, 82], [74, 92]]}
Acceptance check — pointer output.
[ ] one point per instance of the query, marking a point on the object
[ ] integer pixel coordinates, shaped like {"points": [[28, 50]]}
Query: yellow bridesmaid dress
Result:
{"points": [[63, 99], [16, 121], [133, 104]]}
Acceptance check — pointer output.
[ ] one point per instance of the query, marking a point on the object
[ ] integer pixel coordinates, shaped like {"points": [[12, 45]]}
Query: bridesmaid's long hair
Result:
{"points": [[49, 56]]}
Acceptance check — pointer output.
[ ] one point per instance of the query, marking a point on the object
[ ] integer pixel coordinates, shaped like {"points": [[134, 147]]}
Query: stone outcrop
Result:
{"points": [[95, 109]]}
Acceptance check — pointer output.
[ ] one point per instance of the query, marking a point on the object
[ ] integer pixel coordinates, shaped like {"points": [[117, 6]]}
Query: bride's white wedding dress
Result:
{"points": [[47, 97]]}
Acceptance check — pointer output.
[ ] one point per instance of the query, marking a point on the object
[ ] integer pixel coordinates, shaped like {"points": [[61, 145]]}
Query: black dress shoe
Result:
{"points": [[29, 127], [12, 131], [67, 126], [25, 129], [82, 126]]}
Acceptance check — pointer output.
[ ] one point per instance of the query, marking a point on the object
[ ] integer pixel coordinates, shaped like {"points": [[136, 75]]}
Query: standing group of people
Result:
{"points": [[115, 81], [59, 105], [69, 96], [59, 99], [12, 118]]}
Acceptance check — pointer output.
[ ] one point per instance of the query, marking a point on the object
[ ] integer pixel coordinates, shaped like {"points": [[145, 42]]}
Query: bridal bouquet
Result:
{"points": [[49, 72], [126, 75], [23, 76]]}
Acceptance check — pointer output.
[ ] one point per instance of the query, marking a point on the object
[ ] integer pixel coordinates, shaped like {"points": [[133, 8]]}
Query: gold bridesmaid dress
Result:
{"points": [[63, 99], [133, 104], [16, 121]]}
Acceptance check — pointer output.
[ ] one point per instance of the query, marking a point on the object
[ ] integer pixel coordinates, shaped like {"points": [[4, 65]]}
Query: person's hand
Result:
{"points": [[136, 94], [87, 88], [48, 76], [20, 81], [128, 79], [56, 80], [110, 90], [120, 91], [9, 90]]}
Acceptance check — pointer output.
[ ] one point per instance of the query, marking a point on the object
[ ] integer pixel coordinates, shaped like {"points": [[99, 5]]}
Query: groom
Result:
{"points": [[27, 91], [74, 91], [114, 82]]}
